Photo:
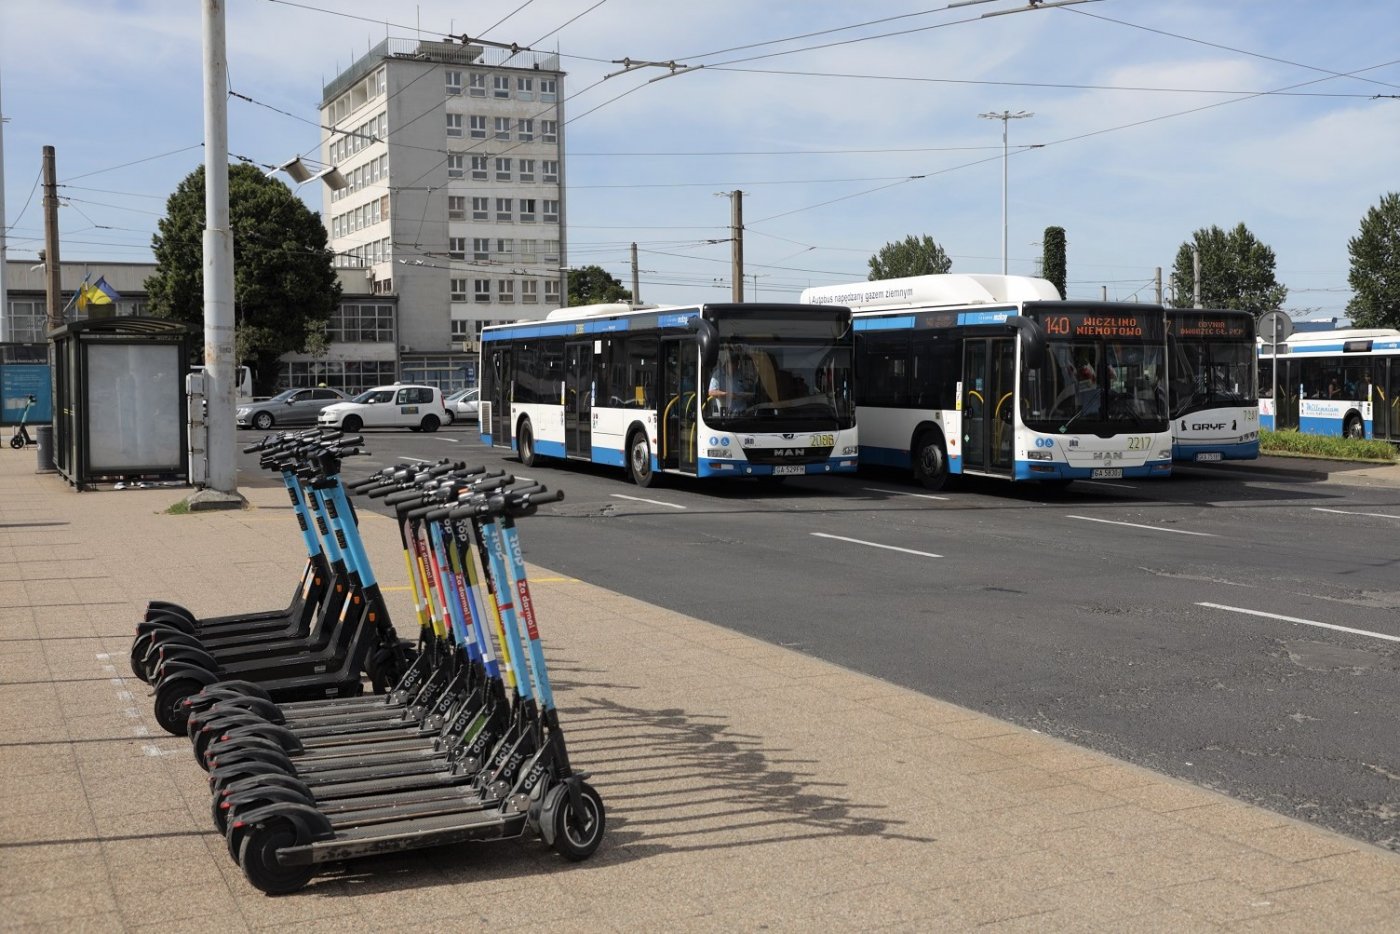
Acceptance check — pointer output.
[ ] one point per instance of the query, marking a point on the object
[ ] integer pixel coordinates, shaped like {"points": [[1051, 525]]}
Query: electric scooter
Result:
{"points": [[21, 436]]}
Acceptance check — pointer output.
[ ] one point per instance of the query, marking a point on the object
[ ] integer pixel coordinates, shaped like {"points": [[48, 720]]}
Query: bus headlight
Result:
{"points": [[849, 450], [1040, 456], [718, 452]]}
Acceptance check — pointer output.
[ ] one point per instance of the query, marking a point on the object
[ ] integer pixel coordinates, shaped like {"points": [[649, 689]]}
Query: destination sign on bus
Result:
{"points": [[1094, 324], [1207, 325]]}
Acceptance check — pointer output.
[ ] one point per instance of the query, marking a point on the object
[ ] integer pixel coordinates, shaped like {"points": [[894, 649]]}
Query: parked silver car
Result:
{"points": [[462, 404], [289, 407]]}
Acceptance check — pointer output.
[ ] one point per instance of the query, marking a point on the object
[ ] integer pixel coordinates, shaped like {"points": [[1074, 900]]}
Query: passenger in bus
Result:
{"points": [[1334, 391]]}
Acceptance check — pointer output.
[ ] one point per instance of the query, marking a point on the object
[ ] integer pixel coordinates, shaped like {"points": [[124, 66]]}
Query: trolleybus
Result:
{"points": [[1212, 385], [996, 376], [1344, 383], [638, 389]]}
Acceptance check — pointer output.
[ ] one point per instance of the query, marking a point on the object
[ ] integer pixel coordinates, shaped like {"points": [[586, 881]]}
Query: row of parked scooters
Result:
{"points": [[459, 739]]}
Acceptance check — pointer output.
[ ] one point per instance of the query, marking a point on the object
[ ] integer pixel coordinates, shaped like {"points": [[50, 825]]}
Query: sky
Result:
{"points": [[846, 126]]}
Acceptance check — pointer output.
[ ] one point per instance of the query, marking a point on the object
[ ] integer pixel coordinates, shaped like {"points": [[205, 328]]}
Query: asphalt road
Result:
{"points": [[1182, 625]]}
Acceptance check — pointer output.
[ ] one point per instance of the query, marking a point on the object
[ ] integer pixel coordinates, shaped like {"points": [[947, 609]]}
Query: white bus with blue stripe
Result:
{"points": [[1213, 386], [635, 389], [996, 376], [1343, 383]]}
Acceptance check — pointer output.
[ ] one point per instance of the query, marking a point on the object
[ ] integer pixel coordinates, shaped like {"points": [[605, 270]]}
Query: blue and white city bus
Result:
{"points": [[997, 376], [1344, 383], [634, 389], [1213, 384]]}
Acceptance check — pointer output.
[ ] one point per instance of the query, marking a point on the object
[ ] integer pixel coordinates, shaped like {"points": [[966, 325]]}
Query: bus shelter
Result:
{"points": [[119, 400]]}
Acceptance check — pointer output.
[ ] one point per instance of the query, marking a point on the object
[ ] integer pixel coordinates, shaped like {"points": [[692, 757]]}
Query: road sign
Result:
{"points": [[1275, 326]]}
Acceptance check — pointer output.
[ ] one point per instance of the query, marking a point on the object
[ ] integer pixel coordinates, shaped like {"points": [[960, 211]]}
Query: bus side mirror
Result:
{"points": [[709, 341], [1033, 343]]}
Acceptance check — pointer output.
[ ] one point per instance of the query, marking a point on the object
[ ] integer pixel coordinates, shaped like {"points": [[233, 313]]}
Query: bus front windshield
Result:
{"points": [[1098, 386], [773, 373], [1212, 374]]}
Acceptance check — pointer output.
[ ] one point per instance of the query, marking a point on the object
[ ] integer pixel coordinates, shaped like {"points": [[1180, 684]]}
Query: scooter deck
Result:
{"points": [[408, 834]]}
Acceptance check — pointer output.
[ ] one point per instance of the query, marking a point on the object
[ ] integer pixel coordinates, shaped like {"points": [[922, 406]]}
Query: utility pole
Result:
{"points": [[636, 281], [1195, 277], [736, 234], [1157, 282], [219, 370], [6, 323], [1004, 116], [53, 269]]}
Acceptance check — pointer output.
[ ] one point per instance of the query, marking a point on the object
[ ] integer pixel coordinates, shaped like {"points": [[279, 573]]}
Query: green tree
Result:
{"points": [[592, 285], [912, 256], [284, 286], [1053, 257], [1237, 271], [1375, 267]]}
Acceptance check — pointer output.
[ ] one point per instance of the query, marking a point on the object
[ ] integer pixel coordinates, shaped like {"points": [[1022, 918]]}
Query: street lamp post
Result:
{"points": [[1004, 116]]}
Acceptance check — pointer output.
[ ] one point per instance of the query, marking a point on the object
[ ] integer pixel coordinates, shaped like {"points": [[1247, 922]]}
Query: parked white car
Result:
{"points": [[402, 405], [463, 404]]}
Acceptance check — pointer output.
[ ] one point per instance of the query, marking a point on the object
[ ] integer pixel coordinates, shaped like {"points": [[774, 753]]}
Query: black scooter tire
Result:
{"points": [[171, 712], [257, 856], [577, 839]]}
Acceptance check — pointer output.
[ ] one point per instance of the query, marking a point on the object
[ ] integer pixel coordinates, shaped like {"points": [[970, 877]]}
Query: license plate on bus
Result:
{"points": [[1208, 456], [1106, 473], [793, 471]]}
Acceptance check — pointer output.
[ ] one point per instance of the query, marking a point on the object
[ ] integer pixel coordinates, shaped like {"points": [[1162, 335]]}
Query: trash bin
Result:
{"points": [[43, 438]]}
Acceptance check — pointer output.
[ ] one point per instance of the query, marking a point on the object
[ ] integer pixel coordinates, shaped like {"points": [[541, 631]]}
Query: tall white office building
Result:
{"points": [[454, 212]]}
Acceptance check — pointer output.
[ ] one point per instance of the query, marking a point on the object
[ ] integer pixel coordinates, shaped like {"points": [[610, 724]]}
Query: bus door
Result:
{"points": [[496, 395], [989, 403], [1383, 401], [676, 416], [578, 399]]}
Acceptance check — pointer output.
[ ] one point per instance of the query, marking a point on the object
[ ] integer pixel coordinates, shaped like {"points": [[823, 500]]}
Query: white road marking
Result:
{"points": [[450, 440], [638, 499], [871, 489], [1134, 525], [1302, 622], [856, 541], [1117, 486], [1347, 512]]}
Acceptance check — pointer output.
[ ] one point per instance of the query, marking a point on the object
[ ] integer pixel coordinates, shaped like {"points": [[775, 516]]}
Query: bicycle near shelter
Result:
{"points": [[1213, 385], [997, 376], [1343, 383], [755, 390]]}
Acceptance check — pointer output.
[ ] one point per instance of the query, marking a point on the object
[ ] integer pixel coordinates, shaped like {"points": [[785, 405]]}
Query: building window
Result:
{"points": [[457, 247], [551, 291], [551, 212], [502, 170], [454, 82], [479, 167], [503, 128], [525, 88], [549, 130], [551, 170], [459, 290], [530, 291], [361, 323], [505, 209], [529, 250], [481, 290], [454, 125], [527, 210], [456, 207], [505, 248], [476, 84], [477, 125], [551, 251], [549, 89], [500, 85], [462, 329], [481, 249], [527, 170], [527, 131], [481, 209], [505, 291], [455, 166]]}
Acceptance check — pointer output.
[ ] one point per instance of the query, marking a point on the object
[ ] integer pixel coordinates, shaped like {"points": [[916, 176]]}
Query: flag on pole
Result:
{"points": [[100, 293], [79, 296]]}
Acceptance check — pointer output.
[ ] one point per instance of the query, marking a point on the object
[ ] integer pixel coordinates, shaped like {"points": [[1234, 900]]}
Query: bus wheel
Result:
{"points": [[1354, 428], [526, 444], [930, 461], [639, 459]]}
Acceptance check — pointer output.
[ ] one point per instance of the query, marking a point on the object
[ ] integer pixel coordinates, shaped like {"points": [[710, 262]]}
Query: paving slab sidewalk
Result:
{"points": [[749, 787]]}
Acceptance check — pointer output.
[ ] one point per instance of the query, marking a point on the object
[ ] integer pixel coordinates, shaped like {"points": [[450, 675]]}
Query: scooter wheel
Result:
{"points": [[16, 442], [577, 835], [138, 659], [170, 709], [257, 855]]}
